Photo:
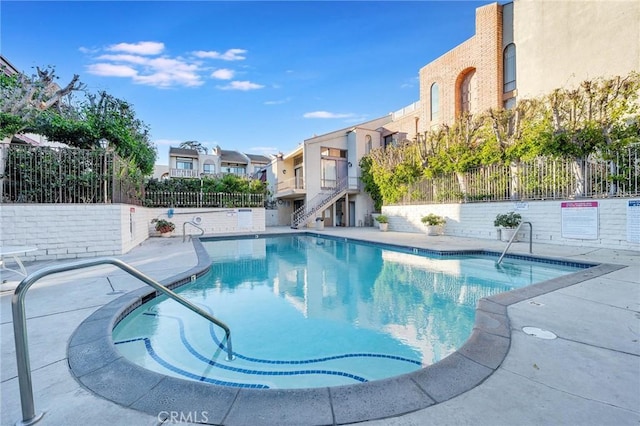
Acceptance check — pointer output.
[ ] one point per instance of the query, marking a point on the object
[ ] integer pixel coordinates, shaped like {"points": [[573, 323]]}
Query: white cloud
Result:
{"points": [[410, 82], [167, 142], [278, 102], [229, 55], [87, 50], [111, 70], [223, 74], [140, 48], [241, 85], [326, 114], [263, 150], [134, 59], [152, 71], [145, 63]]}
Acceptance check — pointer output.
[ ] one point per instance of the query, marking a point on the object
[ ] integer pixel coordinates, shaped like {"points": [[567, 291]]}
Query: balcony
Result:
{"points": [[290, 187], [184, 173]]}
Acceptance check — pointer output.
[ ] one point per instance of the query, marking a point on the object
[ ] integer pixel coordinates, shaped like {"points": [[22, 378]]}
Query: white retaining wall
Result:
{"points": [[71, 231], [214, 221], [475, 220]]}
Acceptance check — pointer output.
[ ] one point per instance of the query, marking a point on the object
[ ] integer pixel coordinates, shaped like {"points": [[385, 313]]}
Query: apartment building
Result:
{"points": [[320, 179], [191, 163], [521, 49], [524, 49]]}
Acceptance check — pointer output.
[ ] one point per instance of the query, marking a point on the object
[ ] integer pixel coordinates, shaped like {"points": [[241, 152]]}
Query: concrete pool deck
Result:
{"points": [[590, 374]]}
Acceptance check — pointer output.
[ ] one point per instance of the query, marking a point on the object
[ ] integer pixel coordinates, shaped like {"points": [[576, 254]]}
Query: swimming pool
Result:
{"points": [[307, 311]]}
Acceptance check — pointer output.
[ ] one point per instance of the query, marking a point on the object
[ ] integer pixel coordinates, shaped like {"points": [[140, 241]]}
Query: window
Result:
{"points": [[389, 140], [208, 169], [468, 92], [333, 166], [435, 102], [333, 152], [329, 173], [184, 163], [368, 144], [235, 170], [509, 68], [510, 103]]}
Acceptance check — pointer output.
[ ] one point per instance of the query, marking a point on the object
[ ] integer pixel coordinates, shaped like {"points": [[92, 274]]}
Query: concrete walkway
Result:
{"points": [[588, 375]]}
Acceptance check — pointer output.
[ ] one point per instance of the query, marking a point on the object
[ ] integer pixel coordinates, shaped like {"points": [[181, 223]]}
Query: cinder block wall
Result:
{"points": [[70, 231], [213, 221], [475, 220], [73, 231]]}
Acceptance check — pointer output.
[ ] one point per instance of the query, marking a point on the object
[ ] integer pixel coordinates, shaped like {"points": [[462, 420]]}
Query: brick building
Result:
{"points": [[523, 49]]}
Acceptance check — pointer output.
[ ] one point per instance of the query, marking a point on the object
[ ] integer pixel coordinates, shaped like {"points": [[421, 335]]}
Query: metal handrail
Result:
{"points": [[513, 237], [304, 212], [195, 223], [29, 416]]}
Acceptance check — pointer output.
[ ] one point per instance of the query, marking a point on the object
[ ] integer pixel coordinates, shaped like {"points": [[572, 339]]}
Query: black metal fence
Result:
{"points": [[539, 179], [63, 175], [203, 199]]}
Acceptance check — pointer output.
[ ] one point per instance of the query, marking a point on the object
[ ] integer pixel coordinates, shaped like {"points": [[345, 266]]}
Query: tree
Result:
{"points": [[588, 119], [394, 168], [463, 146], [370, 186], [115, 120], [25, 98], [194, 145]]}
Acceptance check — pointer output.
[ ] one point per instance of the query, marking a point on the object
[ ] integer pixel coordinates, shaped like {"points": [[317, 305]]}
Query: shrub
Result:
{"points": [[508, 220], [382, 219], [433, 219], [163, 225]]}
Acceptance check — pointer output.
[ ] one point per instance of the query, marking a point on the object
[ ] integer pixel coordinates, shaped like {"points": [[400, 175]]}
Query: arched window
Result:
{"points": [[468, 92], [368, 144], [435, 102], [509, 68]]}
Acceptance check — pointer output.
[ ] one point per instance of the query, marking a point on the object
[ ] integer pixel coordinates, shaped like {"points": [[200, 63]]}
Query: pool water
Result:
{"points": [[307, 311]]}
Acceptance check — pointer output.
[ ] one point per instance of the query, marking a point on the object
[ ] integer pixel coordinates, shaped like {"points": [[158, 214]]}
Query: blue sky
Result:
{"points": [[258, 77]]}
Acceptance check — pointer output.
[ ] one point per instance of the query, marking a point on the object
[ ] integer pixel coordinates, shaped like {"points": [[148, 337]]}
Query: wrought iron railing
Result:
{"points": [[538, 179], [202, 199], [66, 175]]}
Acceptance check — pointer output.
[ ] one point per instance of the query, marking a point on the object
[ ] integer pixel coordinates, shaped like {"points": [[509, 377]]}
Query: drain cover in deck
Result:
{"points": [[539, 333]]}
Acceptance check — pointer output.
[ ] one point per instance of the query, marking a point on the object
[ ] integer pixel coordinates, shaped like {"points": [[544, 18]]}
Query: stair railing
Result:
{"points": [[304, 212]]}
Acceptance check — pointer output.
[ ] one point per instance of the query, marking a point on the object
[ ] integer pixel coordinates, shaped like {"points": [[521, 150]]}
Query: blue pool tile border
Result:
{"points": [[98, 366]]}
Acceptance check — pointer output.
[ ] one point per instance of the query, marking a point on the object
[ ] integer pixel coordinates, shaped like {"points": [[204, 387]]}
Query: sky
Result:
{"points": [[258, 77]]}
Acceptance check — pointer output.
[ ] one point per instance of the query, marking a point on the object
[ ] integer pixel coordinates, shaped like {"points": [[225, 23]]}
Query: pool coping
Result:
{"points": [[97, 365]]}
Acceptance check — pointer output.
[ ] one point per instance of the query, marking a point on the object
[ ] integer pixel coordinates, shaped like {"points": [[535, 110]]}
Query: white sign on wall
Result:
{"points": [[580, 220], [521, 205], [245, 218], [633, 221]]}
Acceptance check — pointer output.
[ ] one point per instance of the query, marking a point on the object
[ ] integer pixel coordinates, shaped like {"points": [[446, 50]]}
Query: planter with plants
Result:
{"points": [[383, 222], [508, 222], [434, 223], [164, 227]]}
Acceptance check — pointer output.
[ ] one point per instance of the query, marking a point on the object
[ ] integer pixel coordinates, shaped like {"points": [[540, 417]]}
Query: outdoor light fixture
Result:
{"points": [[349, 164], [104, 144], [284, 172]]}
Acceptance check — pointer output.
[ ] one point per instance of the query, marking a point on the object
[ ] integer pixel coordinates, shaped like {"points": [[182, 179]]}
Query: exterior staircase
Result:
{"points": [[318, 203]]}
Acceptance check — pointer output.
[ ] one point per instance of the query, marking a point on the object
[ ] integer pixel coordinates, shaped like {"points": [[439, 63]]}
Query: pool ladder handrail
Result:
{"points": [[513, 237], [195, 222], [29, 415]]}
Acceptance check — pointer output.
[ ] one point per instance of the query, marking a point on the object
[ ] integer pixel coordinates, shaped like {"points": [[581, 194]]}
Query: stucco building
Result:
{"points": [[521, 49]]}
